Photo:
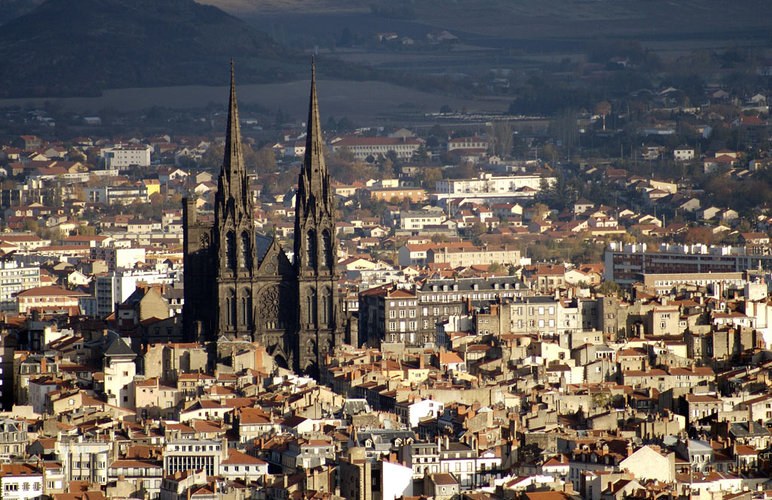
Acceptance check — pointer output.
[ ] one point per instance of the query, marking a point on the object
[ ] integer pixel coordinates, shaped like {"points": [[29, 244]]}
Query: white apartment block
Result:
{"points": [[420, 220], [683, 154], [124, 156], [20, 482], [491, 187], [362, 147], [15, 278], [119, 258]]}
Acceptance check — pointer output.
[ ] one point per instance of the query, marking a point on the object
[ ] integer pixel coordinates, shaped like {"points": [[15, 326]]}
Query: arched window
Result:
{"points": [[230, 250], [311, 307], [311, 249], [246, 260], [230, 308], [326, 312], [326, 249], [246, 307]]}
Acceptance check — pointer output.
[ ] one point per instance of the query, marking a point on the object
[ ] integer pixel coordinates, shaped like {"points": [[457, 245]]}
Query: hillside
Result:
{"points": [[79, 47], [501, 20]]}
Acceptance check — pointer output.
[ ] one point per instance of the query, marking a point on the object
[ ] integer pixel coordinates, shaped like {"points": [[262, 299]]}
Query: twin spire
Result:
{"points": [[233, 192]]}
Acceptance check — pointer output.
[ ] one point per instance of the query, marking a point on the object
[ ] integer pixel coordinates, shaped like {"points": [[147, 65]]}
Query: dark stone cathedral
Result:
{"points": [[240, 285]]}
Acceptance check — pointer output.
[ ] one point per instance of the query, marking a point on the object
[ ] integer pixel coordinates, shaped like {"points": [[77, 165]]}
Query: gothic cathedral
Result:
{"points": [[240, 285]]}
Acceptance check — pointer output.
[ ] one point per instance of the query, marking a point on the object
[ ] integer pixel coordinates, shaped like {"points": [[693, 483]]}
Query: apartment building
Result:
{"points": [[491, 188], [438, 299], [627, 264], [465, 257], [389, 315], [194, 454], [124, 156], [418, 220], [363, 147], [14, 278]]}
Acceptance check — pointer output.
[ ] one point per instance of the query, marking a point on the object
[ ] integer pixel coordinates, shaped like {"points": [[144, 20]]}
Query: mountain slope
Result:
{"points": [[79, 47]]}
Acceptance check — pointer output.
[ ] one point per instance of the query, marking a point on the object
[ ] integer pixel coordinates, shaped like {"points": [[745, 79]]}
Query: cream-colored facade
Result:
{"points": [[474, 256]]}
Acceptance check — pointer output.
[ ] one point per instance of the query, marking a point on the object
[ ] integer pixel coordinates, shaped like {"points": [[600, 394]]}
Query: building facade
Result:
{"points": [[627, 264], [228, 264]]}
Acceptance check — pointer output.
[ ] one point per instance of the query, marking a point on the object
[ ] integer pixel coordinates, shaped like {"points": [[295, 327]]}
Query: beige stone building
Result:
{"points": [[167, 361], [458, 257]]}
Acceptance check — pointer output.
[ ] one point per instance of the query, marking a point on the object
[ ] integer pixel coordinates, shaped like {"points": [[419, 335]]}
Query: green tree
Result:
{"points": [[495, 268], [420, 155], [609, 288], [430, 176]]}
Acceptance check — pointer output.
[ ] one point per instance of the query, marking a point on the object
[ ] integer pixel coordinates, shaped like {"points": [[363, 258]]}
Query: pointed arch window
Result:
{"points": [[230, 250], [246, 307], [230, 308], [311, 308], [245, 259], [311, 249], [326, 305], [326, 249]]}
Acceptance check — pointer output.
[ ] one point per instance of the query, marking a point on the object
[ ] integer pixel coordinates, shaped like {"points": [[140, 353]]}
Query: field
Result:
{"points": [[365, 102], [526, 19], [516, 34]]}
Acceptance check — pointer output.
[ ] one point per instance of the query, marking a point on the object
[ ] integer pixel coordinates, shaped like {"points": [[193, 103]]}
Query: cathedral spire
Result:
{"points": [[233, 158], [314, 169], [233, 188]]}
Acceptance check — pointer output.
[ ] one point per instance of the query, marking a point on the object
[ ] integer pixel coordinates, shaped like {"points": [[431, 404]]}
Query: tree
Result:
{"points": [[420, 155], [609, 288], [430, 176], [476, 230], [265, 161], [86, 230], [495, 268], [565, 129], [697, 234], [501, 134], [603, 108], [540, 211], [212, 158]]}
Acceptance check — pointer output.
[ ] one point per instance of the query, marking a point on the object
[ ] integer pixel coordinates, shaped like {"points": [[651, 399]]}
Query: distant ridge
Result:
{"points": [[80, 47]]}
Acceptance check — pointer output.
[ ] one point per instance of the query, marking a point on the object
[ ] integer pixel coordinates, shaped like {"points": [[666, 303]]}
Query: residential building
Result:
{"points": [[124, 156], [15, 278], [376, 147], [194, 454], [491, 189], [627, 264]]}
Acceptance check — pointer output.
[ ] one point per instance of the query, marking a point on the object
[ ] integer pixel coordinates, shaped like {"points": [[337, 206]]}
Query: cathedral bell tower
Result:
{"points": [[234, 235], [315, 248]]}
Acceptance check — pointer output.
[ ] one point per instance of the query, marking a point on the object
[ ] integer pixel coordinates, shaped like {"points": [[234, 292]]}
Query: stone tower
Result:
{"points": [[315, 249], [234, 234]]}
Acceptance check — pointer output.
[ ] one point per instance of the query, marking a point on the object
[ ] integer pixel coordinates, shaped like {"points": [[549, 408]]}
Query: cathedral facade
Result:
{"points": [[240, 285]]}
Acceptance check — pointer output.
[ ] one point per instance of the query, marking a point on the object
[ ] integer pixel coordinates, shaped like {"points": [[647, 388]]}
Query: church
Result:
{"points": [[241, 286]]}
